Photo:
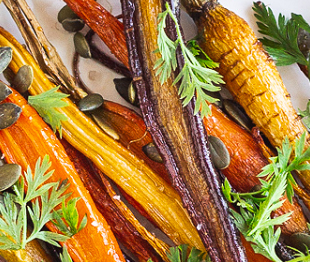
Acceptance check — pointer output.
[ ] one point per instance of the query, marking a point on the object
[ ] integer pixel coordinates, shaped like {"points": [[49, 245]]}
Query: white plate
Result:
{"points": [[100, 79]]}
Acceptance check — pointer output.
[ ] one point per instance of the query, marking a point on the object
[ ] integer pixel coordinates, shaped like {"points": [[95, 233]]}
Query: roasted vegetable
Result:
{"points": [[111, 206], [250, 74], [246, 163], [107, 29], [156, 196], [178, 134], [33, 139]]}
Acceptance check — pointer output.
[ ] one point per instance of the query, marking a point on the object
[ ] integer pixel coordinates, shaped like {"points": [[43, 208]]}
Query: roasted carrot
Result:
{"points": [[136, 178], [32, 253], [108, 28], [125, 232], [30, 138], [246, 163], [250, 74]]}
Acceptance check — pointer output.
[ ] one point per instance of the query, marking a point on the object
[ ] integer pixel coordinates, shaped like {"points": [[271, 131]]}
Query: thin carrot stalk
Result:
{"points": [[107, 27], [125, 232], [30, 138], [250, 74], [136, 178]]}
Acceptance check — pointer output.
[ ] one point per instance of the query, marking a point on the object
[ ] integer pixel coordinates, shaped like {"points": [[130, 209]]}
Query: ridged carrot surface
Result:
{"points": [[30, 138], [250, 74]]}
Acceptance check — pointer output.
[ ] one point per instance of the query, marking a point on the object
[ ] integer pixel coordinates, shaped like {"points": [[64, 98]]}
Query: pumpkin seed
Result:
{"points": [[9, 174], [150, 150], [66, 12], [303, 41], [301, 241], [9, 75], [4, 91], [23, 79], [90, 102], [81, 45], [104, 125], [132, 94], [237, 114], [219, 153], [5, 57], [9, 113], [73, 24], [123, 86], [2, 162]]}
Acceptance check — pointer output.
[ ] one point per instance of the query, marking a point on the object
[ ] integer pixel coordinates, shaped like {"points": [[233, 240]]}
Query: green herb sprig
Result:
{"points": [[65, 257], [38, 202], [254, 220], [182, 253], [281, 41], [46, 105], [67, 218], [193, 77]]}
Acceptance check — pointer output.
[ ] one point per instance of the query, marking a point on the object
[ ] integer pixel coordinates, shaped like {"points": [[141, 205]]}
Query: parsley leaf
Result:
{"points": [[282, 35], [38, 203], [193, 78], [46, 105], [182, 254], [67, 218], [65, 257], [305, 115], [254, 219], [43, 198]]}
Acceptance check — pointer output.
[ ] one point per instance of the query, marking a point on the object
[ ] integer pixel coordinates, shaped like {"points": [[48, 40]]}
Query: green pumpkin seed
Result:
{"points": [[9, 174], [219, 153], [104, 125], [300, 241], [4, 91], [81, 45], [237, 114], [5, 57], [9, 113], [123, 86], [90, 102], [9, 75], [66, 12], [73, 24], [23, 79], [150, 150], [132, 94]]}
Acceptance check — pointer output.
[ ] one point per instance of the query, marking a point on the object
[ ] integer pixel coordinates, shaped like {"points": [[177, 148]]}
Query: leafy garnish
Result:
{"points": [[305, 115], [38, 202], [67, 218], [193, 78], [282, 35], [46, 105], [181, 253], [65, 257], [16, 207], [254, 220]]}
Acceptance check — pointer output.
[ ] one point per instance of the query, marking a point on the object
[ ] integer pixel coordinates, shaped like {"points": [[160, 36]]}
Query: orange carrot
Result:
{"points": [[30, 138], [108, 28]]}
